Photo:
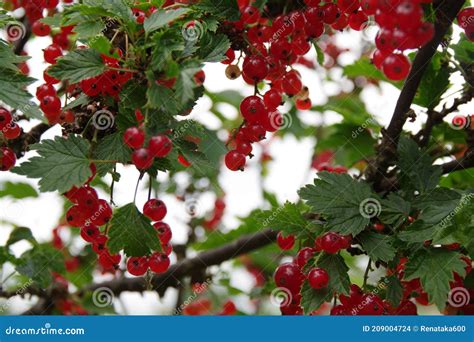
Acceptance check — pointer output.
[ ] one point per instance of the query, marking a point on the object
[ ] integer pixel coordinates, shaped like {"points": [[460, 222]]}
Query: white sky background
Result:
{"points": [[288, 171]]}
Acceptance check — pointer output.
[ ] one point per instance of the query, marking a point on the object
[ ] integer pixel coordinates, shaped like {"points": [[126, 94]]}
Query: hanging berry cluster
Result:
{"points": [[157, 262], [9, 129]]}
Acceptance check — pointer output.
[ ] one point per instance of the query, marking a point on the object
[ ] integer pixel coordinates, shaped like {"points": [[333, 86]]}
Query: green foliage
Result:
{"points": [[61, 164], [377, 246], [132, 232], [78, 65], [111, 148], [17, 190], [19, 234], [162, 17]]}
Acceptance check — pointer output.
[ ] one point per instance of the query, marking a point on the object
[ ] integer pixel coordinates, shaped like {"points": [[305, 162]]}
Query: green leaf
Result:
{"points": [[61, 164], [463, 50], [78, 65], [339, 282], [352, 109], [364, 67], [227, 9], [17, 190], [345, 203], [185, 83], [115, 8], [111, 148], [394, 289], [213, 47], [13, 93], [162, 17], [89, 28], [132, 232], [163, 98], [19, 234], [377, 246], [165, 43], [38, 263], [319, 53], [416, 169], [395, 210], [287, 218], [434, 84], [435, 268]]}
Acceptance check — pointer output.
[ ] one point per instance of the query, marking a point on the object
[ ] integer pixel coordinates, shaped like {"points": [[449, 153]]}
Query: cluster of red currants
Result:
{"points": [[9, 129], [157, 262], [109, 83], [466, 21], [402, 27], [159, 146]]}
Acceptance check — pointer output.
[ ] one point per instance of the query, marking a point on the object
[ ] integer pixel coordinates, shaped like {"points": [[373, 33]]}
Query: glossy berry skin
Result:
{"points": [[303, 256], [11, 131], [155, 209], [52, 52], [244, 147], [288, 275], [285, 242], [7, 159], [235, 161], [134, 137], [75, 216], [252, 109], [272, 99], [45, 90], [250, 15], [104, 213], [51, 106], [159, 262], [160, 146], [5, 118], [396, 67], [164, 232], [137, 266], [89, 233], [142, 158], [255, 67], [318, 278], [40, 29], [331, 242]]}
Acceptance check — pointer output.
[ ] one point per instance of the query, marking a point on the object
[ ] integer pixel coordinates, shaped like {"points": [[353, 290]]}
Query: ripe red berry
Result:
{"points": [[159, 262], [318, 278], [250, 15], [358, 20], [235, 161], [252, 109], [396, 67], [51, 106], [134, 137], [164, 232], [272, 99], [75, 216], [52, 52], [40, 29], [255, 67], [48, 78], [244, 147], [155, 209], [303, 256], [230, 57], [45, 90], [142, 158], [288, 275], [285, 242], [160, 146], [5, 118], [292, 84], [200, 77], [89, 233], [137, 266], [11, 131], [103, 213], [331, 242], [7, 159]]}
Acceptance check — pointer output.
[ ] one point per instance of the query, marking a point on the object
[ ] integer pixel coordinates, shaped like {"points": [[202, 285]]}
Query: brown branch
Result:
{"points": [[21, 144], [187, 267], [446, 12]]}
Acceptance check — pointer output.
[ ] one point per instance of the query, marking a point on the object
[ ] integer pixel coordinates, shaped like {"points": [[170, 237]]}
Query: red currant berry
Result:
{"points": [[303, 256], [52, 52], [255, 67], [272, 99], [11, 131], [160, 146], [396, 67], [137, 266], [90, 233], [40, 29], [142, 158], [155, 209], [331, 242], [45, 90], [235, 161], [5, 118], [318, 278], [164, 232], [253, 109], [250, 15], [51, 106], [244, 147], [159, 262], [7, 159], [285, 242], [288, 275], [134, 137], [200, 77]]}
